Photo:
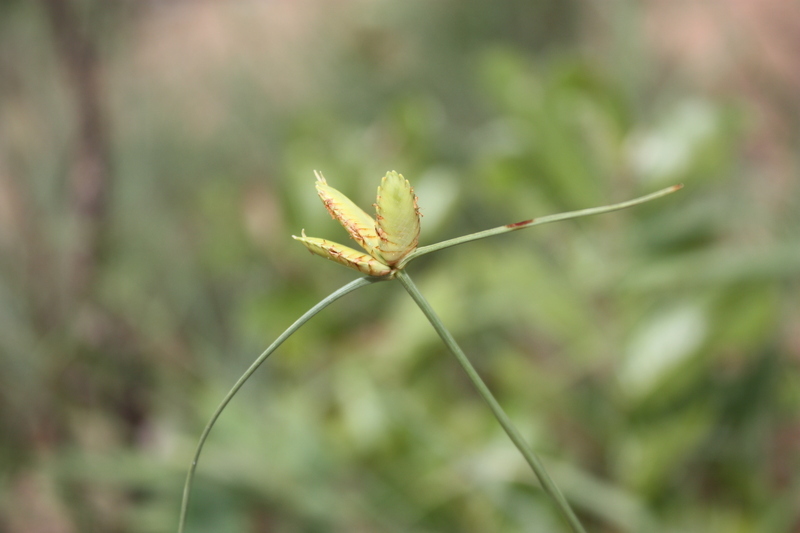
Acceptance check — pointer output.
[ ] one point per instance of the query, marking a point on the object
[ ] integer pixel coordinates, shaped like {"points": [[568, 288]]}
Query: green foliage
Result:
{"points": [[650, 355]]}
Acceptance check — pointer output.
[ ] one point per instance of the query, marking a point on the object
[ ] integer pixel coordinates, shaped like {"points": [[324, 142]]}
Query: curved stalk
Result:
{"points": [[350, 287], [514, 434], [535, 222]]}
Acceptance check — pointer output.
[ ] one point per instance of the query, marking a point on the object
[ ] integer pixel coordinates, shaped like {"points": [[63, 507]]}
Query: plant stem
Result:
{"points": [[514, 434], [350, 287], [535, 222]]}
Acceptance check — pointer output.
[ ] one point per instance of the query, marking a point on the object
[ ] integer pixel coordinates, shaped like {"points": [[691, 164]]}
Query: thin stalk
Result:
{"points": [[514, 434], [350, 287], [535, 222]]}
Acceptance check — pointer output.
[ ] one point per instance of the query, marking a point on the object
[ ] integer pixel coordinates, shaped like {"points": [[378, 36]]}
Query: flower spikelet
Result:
{"points": [[387, 239], [397, 218], [344, 255], [358, 223]]}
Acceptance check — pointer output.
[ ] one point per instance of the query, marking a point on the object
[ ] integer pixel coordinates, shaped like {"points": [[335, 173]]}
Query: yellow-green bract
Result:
{"points": [[398, 218], [387, 241], [344, 255]]}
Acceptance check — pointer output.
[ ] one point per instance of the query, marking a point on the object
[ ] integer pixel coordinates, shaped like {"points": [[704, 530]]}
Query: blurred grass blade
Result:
{"points": [[536, 222], [350, 287]]}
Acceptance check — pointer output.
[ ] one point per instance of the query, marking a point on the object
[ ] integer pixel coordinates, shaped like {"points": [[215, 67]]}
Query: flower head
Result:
{"points": [[387, 241]]}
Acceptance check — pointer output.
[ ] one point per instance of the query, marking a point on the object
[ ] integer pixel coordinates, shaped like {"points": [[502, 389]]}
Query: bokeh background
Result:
{"points": [[156, 156]]}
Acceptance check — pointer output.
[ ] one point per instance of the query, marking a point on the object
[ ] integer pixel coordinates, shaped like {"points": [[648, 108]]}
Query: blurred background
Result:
{"points": [[156, 156]]}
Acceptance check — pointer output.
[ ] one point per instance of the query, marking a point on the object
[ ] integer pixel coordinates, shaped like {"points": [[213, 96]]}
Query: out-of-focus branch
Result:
{"points": [[90, 173], [94, 327]]}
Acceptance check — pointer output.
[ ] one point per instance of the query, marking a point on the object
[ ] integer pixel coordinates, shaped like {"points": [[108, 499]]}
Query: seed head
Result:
{"points": [[387, 239]]}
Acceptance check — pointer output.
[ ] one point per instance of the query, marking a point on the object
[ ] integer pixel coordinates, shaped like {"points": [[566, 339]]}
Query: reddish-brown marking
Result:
{"points": [[519, 224]]}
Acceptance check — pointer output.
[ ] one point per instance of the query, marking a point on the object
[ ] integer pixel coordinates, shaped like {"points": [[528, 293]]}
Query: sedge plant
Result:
{"points": [[390, 242]]}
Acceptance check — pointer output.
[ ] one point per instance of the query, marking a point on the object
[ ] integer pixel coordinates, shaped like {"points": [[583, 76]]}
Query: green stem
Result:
{"points": [[514, 434], [350, 287], [535, 222]]}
